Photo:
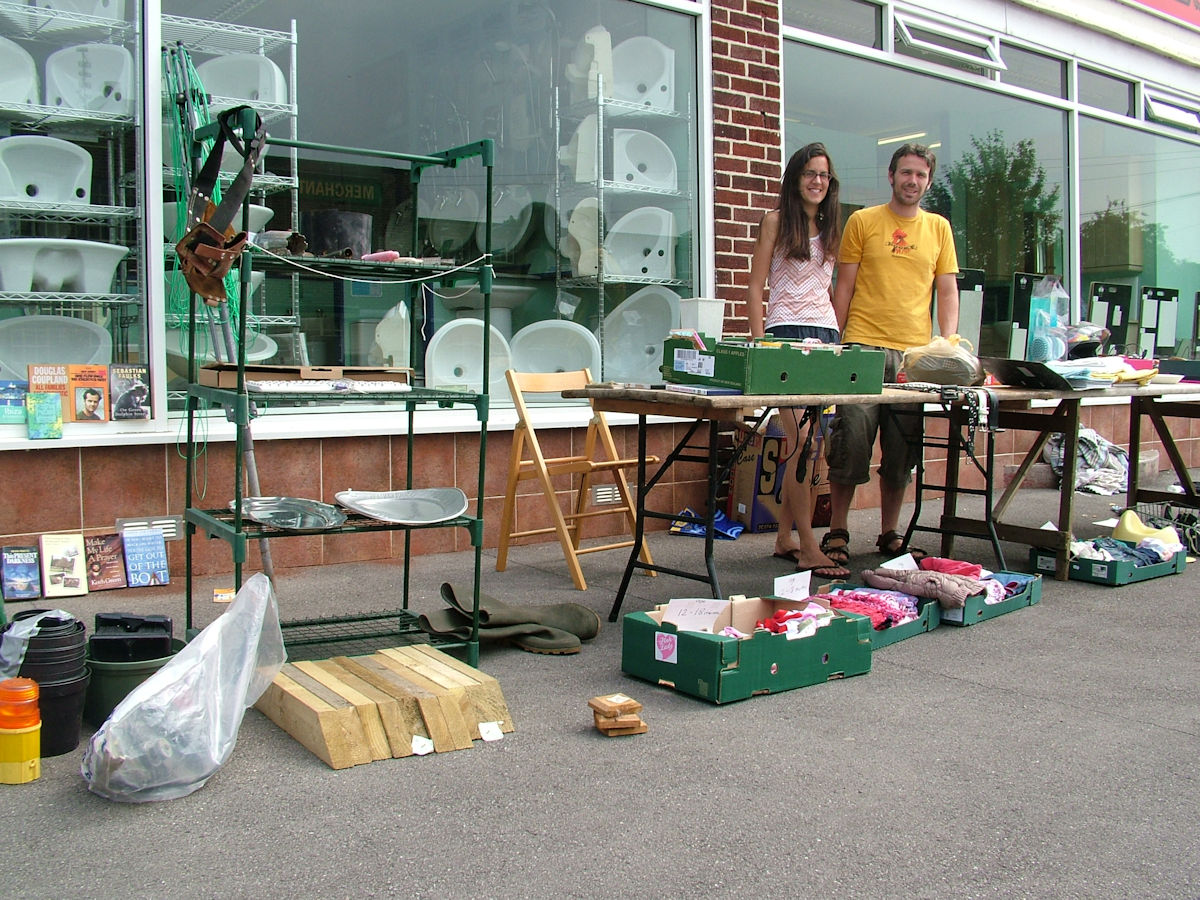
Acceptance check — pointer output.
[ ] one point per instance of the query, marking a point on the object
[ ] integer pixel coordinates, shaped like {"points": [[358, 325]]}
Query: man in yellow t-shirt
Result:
{"points": [[891, 259]]}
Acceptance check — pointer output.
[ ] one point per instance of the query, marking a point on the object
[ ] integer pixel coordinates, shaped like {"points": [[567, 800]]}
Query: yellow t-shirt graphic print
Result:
{"points": [[898, 258]]}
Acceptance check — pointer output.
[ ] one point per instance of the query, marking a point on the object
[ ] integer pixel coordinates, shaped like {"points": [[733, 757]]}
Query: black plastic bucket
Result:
{"points": [[61, 704], [54, 632], [58, 652]]}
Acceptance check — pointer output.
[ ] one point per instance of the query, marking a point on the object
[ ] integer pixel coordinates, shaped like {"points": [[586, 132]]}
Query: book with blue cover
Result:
{"points": [[20, 574], [12, 402], [146, 557]]}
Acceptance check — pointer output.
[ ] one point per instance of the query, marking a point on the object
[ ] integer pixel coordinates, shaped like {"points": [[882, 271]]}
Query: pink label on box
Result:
{"points": [[666, 647]]}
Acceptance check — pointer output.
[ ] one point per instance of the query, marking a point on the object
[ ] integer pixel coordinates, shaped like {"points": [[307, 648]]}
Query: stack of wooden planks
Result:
{"points": [[616, 715], [351, 710]]}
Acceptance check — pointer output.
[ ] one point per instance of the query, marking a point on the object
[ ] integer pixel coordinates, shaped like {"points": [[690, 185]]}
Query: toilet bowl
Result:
{"points": [[453, 218], [18, 75], [454, 357], [29, 340], [58, 264], [644, 73], [512, 213], [45, 169], [172, 210], [579, 153], [555, 345], [95, 77], [633, 334], [467, 303], [592, 60], [643, 159], [642, 244], [242, 78]]}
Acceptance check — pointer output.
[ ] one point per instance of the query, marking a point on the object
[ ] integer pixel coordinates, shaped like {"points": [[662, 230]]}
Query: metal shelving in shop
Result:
{"points": [[235, 527]]}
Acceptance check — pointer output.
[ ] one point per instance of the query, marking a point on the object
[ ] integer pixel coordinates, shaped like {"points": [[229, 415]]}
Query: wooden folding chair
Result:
{"points": [[599, 457]]}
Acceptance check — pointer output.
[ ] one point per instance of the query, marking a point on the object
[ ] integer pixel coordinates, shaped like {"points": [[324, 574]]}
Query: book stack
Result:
{"points": [[617, 715]]}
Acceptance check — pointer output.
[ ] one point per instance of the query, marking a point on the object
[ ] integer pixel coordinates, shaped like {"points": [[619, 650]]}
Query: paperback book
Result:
{"points": [[105, 561], [20, 578], [12, 402], [44, 416], [129, 391], [146, 557], [88, 386], [49, 378], [64, 565]]}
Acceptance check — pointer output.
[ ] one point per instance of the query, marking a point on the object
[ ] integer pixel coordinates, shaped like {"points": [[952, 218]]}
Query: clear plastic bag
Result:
{"points": [[176, 729], [943, 361]]}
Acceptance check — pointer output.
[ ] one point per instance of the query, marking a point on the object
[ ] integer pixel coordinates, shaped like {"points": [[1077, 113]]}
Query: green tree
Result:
{"points": [[1000, 207]]}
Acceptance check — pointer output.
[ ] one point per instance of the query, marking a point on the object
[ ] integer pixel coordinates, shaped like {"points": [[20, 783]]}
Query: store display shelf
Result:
{"points": [[275, 263], [38, 116], [9, 298], [626, 109], [262, 184], [55, 23], [593, 281], [415, 397], [269, 112], [76, 213], [223, 37], [397, 627], [221, 523]]}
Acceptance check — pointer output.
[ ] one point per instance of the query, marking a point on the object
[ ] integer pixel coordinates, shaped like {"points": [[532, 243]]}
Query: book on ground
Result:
{"points": [[146, 557], [12, 402], [20, 577], [64, 565], [88, 386], [129, 391], [105, 561], [44, 415]]}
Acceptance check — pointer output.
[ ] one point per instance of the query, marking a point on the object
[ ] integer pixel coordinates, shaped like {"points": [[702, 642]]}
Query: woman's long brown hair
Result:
{"points": [[793, 219]]}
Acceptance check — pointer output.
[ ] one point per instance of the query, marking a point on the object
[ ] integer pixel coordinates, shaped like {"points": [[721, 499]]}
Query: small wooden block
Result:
{"points": [[620, 732], [614, 705], [606, 723]]}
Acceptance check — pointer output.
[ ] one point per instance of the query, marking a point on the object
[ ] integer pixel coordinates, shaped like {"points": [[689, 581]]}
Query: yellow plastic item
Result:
{"points": [[19, 703], [20, 754], [1132, 529]]}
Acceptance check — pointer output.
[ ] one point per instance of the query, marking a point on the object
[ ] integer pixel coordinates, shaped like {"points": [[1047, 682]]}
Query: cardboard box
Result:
{"points": [[755, 483], [928, 618], [723, 669], [976, 610], [1121, 571], [783, 369], [224, 375]]}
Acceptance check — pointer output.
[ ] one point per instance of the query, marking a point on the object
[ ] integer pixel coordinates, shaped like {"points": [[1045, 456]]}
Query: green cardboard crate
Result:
{"points": [[976, 610], [787, 369], [1122, 571], [928, 618], [723, 669]]}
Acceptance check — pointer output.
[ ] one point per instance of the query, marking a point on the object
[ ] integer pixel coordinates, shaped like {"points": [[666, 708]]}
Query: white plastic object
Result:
{"points": [[634, 333], [644, 73], [467, 303], [453, 219], [46, 169], [703, 314], [512, 212], [393, 337], [593, 57], [29, 340], [579, 244], [555, 345], [95, 77], [259, 217], [173, 731], [18, 75], [58, 264], [242, 78], [454, 357], [262, 347], [579, 153], [642, 159], [642, 243]]}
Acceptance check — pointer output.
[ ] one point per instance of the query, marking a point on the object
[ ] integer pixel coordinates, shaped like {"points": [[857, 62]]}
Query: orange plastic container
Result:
{"points": [[20, 731], [19, 703]]}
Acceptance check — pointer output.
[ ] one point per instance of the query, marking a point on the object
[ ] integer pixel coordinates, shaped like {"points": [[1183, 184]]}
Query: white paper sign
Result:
{"points": [[904, 562], [490, 731], [796, 586], [694, 613], [421, 745]]}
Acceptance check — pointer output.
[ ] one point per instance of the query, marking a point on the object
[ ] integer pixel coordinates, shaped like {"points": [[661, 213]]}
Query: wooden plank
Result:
{"points": [[395, 725], [483, 691], [423, 703], [453, 703], [368, 712], [331, 731], [610, 705]]}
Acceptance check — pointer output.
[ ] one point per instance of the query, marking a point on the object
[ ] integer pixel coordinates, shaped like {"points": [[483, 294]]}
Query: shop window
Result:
{"points": [[1172, 112], [857, 21], [946, 44], [1105, 91], [1034, 71]]}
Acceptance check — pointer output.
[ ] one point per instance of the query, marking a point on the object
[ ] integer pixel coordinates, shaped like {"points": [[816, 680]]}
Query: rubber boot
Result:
{"points": [[528, 636], [574, 618]]}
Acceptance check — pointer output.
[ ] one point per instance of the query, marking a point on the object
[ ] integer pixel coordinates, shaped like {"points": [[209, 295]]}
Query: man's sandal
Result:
{"points": [[892, 543], [838, 553]]}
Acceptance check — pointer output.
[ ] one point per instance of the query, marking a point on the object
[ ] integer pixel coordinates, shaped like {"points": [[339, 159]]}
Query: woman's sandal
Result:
{"points": [[892, 543], [838, 553]]}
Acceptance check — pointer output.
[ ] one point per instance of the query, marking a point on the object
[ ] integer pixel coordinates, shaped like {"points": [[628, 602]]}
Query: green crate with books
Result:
{"points": [[772, 367]]}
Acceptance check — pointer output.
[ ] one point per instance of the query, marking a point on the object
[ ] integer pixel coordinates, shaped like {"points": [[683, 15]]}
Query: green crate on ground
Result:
{"points": [[1122, 571], [722, 669], [976, 610], [786, 369], [928, 618]]}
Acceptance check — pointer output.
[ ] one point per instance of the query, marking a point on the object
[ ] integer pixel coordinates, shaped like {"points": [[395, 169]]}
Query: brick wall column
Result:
{"points": [[747, 117]]}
